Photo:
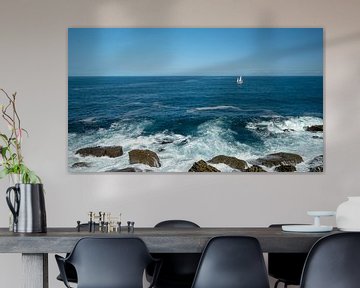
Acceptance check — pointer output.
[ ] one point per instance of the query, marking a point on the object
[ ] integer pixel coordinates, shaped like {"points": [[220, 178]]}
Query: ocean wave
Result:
{"points": [[221, 107], [160, 105], [88, 120], [289, 134], [284, 124], [178, 152], [84, 88]]}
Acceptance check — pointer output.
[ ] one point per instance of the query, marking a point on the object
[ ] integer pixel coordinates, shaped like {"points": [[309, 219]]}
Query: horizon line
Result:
{"points": [[195, 75]]}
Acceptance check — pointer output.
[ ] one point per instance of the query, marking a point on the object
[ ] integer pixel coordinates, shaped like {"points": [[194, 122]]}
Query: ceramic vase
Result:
{"points": [[27, 204], [348, 214]]}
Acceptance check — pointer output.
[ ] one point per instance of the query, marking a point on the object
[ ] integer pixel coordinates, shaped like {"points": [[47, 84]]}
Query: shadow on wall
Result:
{"points": [[353, 37], [139, 14], [134, 14]]}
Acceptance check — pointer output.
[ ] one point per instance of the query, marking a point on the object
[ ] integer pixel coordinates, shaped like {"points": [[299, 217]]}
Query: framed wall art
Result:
{"points": [[195, 100]]}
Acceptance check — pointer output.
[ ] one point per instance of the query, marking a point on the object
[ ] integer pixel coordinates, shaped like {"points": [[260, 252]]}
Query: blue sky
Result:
{"points": [[195, 51]]}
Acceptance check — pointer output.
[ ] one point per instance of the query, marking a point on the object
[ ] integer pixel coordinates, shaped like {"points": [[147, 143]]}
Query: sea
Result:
{"points": [[186, 119]]}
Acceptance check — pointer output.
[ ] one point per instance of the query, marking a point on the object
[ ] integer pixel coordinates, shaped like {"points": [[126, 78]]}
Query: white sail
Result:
{"points": [[239, 80]]}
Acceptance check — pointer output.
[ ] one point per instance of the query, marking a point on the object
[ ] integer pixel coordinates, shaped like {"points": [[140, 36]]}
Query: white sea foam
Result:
{"points": [[221, 107], [178, 152], [284, 124], [89, 120], [289, 135]]}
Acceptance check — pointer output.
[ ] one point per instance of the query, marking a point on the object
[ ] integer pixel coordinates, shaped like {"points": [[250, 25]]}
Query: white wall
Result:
{"points": [[33, 62]]}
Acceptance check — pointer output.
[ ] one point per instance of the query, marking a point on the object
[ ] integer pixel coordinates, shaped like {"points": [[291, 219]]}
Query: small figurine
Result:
{"points": [[78, 226], [130, 226], [90, 221]]}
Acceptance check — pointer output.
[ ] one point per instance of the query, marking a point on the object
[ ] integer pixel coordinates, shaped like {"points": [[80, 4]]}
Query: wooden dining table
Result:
{"points": [[35, 247]]}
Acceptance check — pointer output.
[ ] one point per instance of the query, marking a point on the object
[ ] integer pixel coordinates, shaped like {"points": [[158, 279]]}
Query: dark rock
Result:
{"points": [[316, 169], [280, 158], [288, 130], [255, 168], [317, 137], [319, 168], [285, 168], [316, 164], [80, 165], [98, 151], [146, 157], [314, 128], [233, 162], [127, 169], [202, 166], [318, 160], [172, 139], [166, 141]]}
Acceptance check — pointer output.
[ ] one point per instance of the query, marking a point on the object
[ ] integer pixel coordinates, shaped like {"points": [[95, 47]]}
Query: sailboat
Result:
{"points": [[239, 80]]}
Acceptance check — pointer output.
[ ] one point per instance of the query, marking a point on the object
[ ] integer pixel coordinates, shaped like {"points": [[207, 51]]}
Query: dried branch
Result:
{"points": [[12, 159]]}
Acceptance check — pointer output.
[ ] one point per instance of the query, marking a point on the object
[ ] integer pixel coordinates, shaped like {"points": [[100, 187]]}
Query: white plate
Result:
{"points": [[321, 213], [350, 229], [306, 228]]}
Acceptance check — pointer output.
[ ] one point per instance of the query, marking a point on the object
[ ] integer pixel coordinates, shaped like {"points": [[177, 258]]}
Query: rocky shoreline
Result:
{"points": [[274, 162]]}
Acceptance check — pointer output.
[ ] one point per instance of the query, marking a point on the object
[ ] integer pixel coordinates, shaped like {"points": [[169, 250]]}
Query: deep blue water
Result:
{"points": [[245, 114]]}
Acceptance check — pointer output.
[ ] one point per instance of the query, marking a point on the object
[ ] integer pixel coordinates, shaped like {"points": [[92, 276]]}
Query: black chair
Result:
{"points": [[69, 269], [178, 269], [333, 262], [176, 224], [108, 263], [70, 273], [232, 262], [286, 267]]}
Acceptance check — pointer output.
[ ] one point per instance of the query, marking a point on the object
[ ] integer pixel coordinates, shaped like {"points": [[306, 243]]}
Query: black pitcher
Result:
{"points": [[28, 208]]}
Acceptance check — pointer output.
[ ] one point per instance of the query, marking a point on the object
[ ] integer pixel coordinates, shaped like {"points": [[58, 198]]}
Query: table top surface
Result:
{"points": [[158, 240]]}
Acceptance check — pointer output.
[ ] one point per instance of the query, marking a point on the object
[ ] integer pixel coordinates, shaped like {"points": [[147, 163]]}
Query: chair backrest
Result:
{"points": [[286, 266], [176, 224], [178, 269], [232, 262], [110, 262], [333, 262]]}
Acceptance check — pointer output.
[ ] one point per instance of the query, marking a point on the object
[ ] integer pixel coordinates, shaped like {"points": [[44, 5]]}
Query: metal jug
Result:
{"points": [[28, 208]]}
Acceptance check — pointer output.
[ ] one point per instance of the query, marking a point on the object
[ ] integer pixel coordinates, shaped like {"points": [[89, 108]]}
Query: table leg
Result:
{"points": [[35, 270]]}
